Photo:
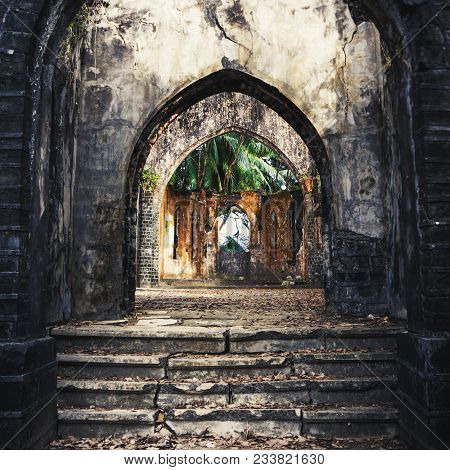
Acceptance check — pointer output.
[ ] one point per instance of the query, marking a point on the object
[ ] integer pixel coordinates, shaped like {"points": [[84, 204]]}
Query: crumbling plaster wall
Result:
{"points": [[197, 251], [139, 55]]}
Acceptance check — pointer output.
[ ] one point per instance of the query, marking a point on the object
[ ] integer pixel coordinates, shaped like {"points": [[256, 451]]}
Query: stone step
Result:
{"points": [[337, 364], [346, 364], [138, 340], [91, 366], [361, 422], [215, 367], [284, 340], [285, 393], [175, 339]]}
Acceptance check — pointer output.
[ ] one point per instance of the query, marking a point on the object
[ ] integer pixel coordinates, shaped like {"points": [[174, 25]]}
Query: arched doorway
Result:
{"points": [[234, 112], [96, 290], [230, 171]]}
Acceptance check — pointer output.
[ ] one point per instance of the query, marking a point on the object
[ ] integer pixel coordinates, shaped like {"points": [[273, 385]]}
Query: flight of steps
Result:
{"points": [[331, 383]]}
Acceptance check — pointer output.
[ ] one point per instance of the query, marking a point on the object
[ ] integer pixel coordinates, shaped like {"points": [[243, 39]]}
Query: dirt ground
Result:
{"points": [[245, 442], [244, 306]]}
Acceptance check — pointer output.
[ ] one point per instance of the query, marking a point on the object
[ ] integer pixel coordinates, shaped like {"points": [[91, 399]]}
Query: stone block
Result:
{"points": [[369, 422], [112, 394], [281, 340], [181, 395], [86, 366], [271, 394], [208, 367], [233, 422]]}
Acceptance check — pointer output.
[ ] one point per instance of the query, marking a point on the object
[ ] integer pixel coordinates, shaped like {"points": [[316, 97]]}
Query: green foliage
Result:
{"points": [[148, 181], [234, 163], [79, 27], [231, 245]]}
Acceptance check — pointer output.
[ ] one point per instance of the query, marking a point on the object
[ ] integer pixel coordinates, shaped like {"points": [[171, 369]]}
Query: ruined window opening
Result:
{"points": [[234, 231]]}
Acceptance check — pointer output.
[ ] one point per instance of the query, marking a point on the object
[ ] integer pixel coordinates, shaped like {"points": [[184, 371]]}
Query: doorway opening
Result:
{"points": [[235, 210]]}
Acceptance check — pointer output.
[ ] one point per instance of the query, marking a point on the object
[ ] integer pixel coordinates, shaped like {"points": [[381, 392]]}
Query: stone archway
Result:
{"points": [[213, 116], [416, 274]]}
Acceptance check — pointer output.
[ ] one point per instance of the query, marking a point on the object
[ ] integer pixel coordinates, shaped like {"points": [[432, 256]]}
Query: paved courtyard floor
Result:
{"points": [[246, 307], [248, 442]]}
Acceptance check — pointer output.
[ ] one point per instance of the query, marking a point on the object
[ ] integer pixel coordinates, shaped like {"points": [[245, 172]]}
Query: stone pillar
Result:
{"points": [[314, 246], [148, 241], [27, 355], [424, 352]]}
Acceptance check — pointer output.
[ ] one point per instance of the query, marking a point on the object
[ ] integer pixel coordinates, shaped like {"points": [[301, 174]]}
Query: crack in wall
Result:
{"points": [[343, 67], [229, 38], [222, 30]]}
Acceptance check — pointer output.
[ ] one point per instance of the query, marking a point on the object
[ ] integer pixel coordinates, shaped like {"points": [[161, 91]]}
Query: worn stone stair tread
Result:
{"points": [[317, 413], [243, 360], [191, 386], [107, 385], [362, 413], [366, 331], [113, 359], [184, 331], [166, 332], [226, 360], [346, 356], [317, 383]]}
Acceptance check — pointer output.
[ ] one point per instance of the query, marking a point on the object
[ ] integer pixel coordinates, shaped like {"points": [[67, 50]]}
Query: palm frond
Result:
{"points": [[233, 162]]}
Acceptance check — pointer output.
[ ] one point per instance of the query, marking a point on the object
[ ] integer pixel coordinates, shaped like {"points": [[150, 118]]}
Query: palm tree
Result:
{"points": [[233, 163]]}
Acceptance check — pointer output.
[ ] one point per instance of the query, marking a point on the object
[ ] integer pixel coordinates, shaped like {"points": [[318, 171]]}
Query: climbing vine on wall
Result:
{"points": [[148, 181], [78, 28]]}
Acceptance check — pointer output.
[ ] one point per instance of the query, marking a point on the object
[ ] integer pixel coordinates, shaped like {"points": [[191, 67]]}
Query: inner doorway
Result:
{"points": [[235, 210]]}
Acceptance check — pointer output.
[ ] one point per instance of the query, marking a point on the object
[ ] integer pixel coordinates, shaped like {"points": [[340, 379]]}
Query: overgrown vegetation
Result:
{"points": [[78, 28], [231, 245], [234, 163], [148, 181]]}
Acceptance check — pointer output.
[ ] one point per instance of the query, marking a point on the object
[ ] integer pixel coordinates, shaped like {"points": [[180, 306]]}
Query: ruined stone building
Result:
{"points": [[94, 92]]}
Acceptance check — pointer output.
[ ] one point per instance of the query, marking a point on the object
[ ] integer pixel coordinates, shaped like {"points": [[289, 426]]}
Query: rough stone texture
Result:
{"points": [[27, 384], [297, 255], [414, 161]]}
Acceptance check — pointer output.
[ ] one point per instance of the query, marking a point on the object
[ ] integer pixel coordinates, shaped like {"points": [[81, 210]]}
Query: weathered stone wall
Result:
{"points": [[415, 157], [342, 102], [197, 255]]}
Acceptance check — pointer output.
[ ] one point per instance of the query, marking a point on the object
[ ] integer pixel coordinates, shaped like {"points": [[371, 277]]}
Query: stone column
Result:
{"points": [[27, 355], [314, 252], [148, 241], [424, 352]]}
